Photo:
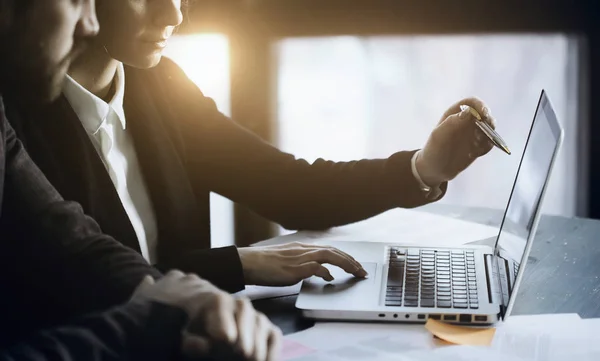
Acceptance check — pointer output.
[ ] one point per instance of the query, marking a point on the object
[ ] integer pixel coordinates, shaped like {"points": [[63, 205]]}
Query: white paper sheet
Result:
{"points": [[262, 292], [404, 226], [523, 338], [356, 341]]}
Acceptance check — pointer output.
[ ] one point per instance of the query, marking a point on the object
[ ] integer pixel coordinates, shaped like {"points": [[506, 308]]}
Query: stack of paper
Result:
{"points": [[519, 338]]}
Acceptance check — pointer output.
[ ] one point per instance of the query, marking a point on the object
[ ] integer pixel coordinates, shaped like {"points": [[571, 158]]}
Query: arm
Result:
{"points": [[142, 331], [72, 266], [220, 266], [290, 191]]}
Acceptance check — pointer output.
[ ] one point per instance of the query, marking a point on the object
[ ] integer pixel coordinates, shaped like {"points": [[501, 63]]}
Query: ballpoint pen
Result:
{"points": [[487, 130]]}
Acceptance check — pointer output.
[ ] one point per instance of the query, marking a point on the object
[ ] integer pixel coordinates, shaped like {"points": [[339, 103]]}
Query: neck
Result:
{"points": [[95, 70]]}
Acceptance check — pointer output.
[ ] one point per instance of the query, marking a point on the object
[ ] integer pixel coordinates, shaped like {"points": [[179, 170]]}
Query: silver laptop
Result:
{"points": [[474, 284]]}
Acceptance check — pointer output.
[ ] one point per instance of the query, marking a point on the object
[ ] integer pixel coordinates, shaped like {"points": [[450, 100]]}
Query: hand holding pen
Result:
{"points": [[492, 135], [457, 141]]}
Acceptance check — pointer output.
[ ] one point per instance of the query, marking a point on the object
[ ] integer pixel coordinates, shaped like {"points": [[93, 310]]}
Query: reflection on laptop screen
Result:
{"points": [[542, 143]]}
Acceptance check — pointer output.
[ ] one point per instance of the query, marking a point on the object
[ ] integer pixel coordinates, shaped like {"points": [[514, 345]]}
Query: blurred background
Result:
{"points": [[345, 80]]}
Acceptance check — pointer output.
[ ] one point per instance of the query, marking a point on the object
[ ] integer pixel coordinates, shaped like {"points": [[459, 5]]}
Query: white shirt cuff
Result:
{"points": [[431, 193]]}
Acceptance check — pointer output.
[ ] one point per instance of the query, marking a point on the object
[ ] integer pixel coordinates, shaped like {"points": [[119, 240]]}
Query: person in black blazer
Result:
{"points": [[63, 266], [128, 114]]}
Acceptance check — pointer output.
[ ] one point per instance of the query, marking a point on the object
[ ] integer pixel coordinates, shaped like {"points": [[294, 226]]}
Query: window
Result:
{"points": [[345, 98], [205, 60]]}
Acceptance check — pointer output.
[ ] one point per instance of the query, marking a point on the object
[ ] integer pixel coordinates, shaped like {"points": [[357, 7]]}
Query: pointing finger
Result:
{"points": [[333, 258]]}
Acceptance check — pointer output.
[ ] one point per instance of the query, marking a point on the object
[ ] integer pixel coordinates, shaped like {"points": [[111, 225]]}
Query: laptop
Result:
{"points": [[473, 284]]}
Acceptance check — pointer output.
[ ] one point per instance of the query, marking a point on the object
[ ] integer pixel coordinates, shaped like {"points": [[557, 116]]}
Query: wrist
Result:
{"points": [[425, 171], [247, 267]]}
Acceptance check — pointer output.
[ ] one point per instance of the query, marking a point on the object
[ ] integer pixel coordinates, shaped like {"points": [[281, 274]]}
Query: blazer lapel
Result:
{"points": [[59, 144], [166, 178]]}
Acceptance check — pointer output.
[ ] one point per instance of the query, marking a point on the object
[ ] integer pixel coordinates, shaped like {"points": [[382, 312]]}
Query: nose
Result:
{"points": [[168, 13], [87, 25]]}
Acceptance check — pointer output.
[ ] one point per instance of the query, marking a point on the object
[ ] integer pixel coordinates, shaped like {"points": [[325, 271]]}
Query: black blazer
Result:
{"points": [[140, 331], [187, 149], [57, 265]]}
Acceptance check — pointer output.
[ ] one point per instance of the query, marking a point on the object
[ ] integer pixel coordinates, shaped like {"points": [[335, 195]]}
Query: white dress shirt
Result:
{"points": [[105, 124]]}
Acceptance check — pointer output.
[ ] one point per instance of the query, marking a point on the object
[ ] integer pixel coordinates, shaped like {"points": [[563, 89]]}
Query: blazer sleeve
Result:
{"points": [[143, 331], [61, 254], [292, 192], [220, 266]]}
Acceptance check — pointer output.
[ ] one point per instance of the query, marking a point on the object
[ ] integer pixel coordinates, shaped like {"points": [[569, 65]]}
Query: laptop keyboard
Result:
{"points": [[431, 278]]}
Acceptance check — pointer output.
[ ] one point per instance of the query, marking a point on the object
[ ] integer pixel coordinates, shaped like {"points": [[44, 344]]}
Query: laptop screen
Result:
{"points": [[526, 196]]}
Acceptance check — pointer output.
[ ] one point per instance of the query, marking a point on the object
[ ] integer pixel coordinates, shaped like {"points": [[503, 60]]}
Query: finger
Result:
{"points": [[482, 148], [143, 286], [359, 270], [475, 103], [194, 347], [220, 321], [488, 118], [330, 257], [261, 332], [245, 317], [275, 344], [191, 277], [455, 108], [478, 134], [174, 274], [310, 269]]}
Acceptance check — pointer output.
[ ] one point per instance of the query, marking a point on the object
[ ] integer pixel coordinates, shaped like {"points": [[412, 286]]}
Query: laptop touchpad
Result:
{"points": [[342, 280]]}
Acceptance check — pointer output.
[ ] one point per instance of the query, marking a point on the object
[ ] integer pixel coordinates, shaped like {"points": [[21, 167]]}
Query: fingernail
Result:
{"points": [[464, 114], [362, 273], [487, 112]]}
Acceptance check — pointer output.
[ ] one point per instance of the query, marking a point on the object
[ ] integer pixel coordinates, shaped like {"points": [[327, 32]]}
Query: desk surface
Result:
{"points": [[562, 274]]}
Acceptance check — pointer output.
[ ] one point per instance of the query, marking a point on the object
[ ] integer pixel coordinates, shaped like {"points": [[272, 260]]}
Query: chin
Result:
{"points": [[147, 62]]}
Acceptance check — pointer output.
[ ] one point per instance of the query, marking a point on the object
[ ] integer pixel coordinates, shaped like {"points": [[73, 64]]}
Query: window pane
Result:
{"points": [[344, 98], [205, 60]]}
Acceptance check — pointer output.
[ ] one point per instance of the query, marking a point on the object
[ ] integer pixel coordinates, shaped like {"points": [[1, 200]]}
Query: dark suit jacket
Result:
{"points": [[140, 331], [188, 149], [62, 266]]}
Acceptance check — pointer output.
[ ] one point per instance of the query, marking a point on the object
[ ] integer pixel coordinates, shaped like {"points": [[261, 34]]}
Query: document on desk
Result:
{"points": [[520, 338], [263, 292], [358, 341], [405, 226], [569, 339]]}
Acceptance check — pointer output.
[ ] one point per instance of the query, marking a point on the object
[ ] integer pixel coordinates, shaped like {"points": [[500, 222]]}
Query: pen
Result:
{"points": [[487, 130]]}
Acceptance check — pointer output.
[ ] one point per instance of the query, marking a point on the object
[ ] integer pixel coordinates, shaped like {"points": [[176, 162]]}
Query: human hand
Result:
{"points": [[217, 320], [454, 144], [288, 264]]}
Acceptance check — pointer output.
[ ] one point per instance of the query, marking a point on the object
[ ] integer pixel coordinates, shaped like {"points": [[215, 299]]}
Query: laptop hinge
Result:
{"points": [[494, 287]]}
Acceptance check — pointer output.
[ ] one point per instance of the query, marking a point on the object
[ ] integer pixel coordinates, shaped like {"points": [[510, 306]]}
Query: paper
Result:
{"points": [[458, 353], [461, 335], [262, 292], [333, 335], [542, 338], [291, 350], [522, 338], [405, 226]]}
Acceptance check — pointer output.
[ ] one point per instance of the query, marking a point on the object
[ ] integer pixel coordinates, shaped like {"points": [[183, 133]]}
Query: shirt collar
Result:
{"points": [[90, 109]]}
